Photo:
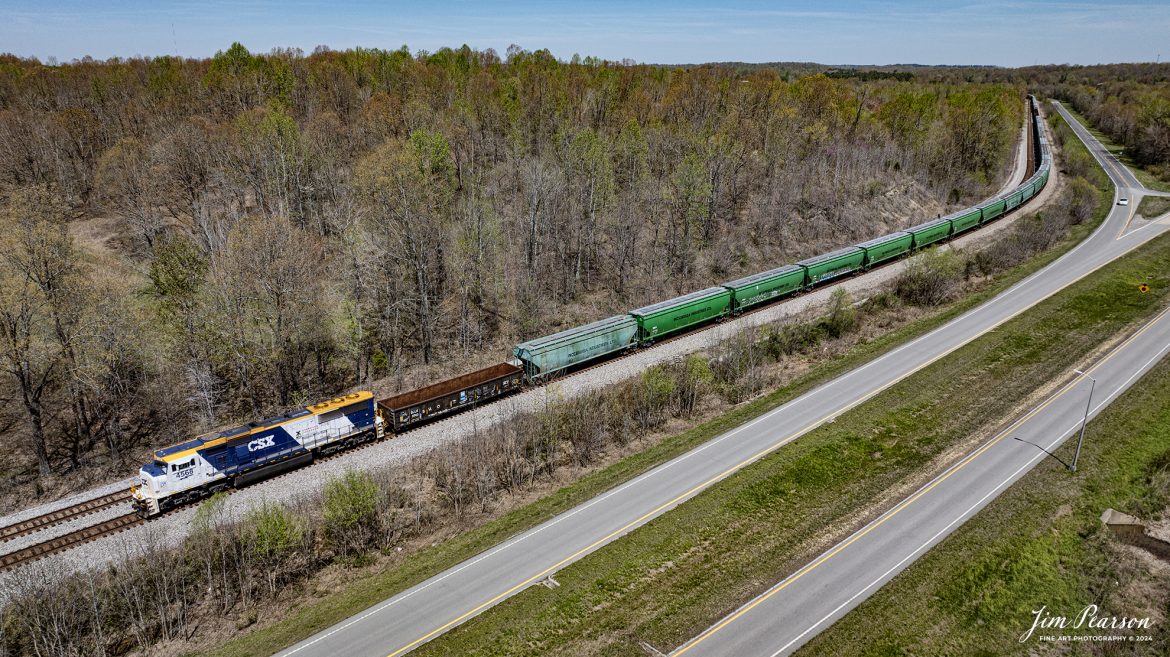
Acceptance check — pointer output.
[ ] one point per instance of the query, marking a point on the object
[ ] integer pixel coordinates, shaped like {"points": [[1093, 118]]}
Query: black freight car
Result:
{"points": [[417, 406]]}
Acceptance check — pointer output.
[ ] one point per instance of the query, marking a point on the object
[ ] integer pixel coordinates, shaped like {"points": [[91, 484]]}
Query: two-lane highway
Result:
{"points": [[786, 616], [1126, 184], [1121, 176], [793, 611], [419, 614]]}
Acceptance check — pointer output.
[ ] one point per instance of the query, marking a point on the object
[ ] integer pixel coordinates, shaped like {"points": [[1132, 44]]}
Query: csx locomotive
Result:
{"points": [[215, 462]]}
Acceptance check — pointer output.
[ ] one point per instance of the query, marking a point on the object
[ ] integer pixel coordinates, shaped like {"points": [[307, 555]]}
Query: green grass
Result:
{"points": [[1154, 206], [1143, 175], [317, 614], [668, 580], [1040, 543]]}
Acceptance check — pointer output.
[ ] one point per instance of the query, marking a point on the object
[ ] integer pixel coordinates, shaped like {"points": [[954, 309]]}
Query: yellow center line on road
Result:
{"points": [[1128, 220], [1122, 188], [679, 498], [662, 507], [713, 480], [913, 498]]}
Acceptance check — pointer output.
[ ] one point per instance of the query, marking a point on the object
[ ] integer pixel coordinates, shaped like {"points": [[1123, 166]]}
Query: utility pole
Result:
{"points": [[1085, 421]]}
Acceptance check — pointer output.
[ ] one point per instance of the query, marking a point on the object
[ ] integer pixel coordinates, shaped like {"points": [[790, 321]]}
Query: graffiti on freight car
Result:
{"points": [[588, 352], [705, 311]]}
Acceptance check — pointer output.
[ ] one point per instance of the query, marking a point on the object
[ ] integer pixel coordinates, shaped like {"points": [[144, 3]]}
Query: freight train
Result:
{"points": [[218, 461]]}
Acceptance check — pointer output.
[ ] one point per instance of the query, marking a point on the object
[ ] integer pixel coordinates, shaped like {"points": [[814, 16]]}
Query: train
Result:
{"points": [[215, 462], [548, 356]]}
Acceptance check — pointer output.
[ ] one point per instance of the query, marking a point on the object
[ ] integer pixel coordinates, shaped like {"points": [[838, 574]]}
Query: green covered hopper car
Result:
{"points": [[666, 317], [887, 247], [992, 210], [832, 265], [765, 286], [964, 220], [930, 232]]}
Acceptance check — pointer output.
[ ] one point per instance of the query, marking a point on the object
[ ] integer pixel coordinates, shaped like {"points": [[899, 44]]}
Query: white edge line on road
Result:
{"points": [[963, 517], [978, 451], [975, 453], [699, 449]]}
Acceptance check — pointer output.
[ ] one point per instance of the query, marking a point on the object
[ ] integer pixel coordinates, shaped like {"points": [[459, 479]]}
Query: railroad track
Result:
{"points": [[67, 541], [115, 525], [62, 515], [92, 532], [120, 523]]}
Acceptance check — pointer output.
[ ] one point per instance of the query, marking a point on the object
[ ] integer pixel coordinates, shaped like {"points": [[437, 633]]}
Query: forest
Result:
{"points": [[186, 243], [248, 574], [1128, 102]]}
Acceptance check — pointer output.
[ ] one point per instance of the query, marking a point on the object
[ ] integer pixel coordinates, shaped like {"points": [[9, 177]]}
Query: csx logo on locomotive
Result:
{"points": [[261, 443]]}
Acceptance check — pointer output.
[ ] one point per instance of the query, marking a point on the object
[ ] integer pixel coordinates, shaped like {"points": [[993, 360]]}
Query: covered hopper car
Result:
{"points": [[218, 461]]}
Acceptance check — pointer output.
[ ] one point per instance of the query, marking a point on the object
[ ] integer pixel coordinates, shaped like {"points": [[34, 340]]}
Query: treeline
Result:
{"points": [[288, 226], [1128, 102], [227, 571], [870, 74]]}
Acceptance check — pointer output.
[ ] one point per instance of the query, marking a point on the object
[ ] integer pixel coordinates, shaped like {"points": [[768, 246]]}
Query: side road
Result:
{"points": [[421, 613], [172, 528], [842, 577]]}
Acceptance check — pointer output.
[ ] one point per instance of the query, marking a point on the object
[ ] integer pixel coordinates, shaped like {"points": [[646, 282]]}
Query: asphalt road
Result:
{"points": [[793, 611], [782, 619], [1128, 186], [405, 621]]}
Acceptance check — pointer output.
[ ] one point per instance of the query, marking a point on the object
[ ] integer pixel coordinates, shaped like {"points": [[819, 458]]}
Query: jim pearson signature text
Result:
{"points": [[1088, 618]]}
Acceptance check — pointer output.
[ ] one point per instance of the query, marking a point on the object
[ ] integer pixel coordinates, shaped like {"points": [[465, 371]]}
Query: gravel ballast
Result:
{"points": [[171, 529]]}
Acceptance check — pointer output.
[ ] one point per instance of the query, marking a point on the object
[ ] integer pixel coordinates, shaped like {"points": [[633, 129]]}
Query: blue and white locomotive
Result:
{"points": [[216, 461]]}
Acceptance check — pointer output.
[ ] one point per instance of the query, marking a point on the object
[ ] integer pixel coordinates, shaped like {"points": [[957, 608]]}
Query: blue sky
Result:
{"points": [[1009, 33]]}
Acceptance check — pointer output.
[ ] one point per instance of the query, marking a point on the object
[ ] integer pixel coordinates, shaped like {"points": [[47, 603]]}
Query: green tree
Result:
{"points": [[909, 116], [264, 315], [177, 273], [842, 316], [351, 510], [930, 278], [589, 173], [276, 163], [31, 360], [39, 249], [272, 531], [687, 194], [409, 191], [127, 186]]}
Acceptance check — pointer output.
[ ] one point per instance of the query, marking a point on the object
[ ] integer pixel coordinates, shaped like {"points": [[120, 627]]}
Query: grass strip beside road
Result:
{"points": [[317, 614], [1041, 543], [668, 580], [1144, 177], [1153, 206]]}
